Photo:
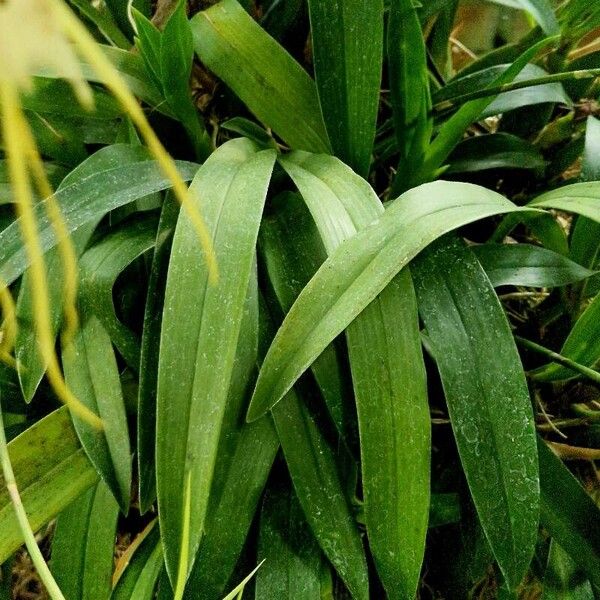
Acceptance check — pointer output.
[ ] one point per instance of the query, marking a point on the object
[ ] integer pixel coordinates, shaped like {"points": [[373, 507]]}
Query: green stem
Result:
{"points": [[28, 535], [560, 359], [516, 85]]}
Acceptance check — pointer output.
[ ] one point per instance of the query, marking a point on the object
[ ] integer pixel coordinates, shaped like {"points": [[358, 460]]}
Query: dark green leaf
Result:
{"points": [[409, 87], [266, 78], [494, 151], [358, 270], [569, 514], [91, 373], [200, 329], [347, 43], [487, 396], [83, 545], [293, 560], [529, 266]]}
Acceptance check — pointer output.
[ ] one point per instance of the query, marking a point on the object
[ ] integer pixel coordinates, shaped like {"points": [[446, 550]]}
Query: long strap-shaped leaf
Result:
{"points": [[149, 355], [292, 251], [266, 78], [487, 398], [293, 559], [48, 481], [83, 202], [246, 453], [30, 365], [569, 514], [580, 198], [200, 329], [388, 378], [347, 41], [358, 270], [409, 87], [99, 268], [84, 543], [91, 371], [313, 463]]}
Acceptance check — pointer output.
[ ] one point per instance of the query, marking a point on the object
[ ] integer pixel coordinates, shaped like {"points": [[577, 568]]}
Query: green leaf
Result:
{"points": [[176, 58], [30, 365], [494, 151], [358, 270], [200, 329], [147, 42], [388, 377], [148, 371], [580, 198], [311, 460], [347, 42], [144, 565], [48, 481], [582, 345], [409, 87], [83, 202], [452, 131], [569, 514], [292, 251], [83, 545], [487, 396], [540, 10], [98, 271], [293, 560], [527, 265], [130, 67], [92, 374], [563, 580], [244, 458], [266, 78], [585, 235]]}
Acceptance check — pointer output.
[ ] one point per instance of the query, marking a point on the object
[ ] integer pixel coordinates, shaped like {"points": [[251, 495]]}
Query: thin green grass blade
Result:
{"points": [[266, 78], [347, 43], [48, 481], [487, 397], [83, 545], [200, 329], [358, 270], [388, 377]]}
